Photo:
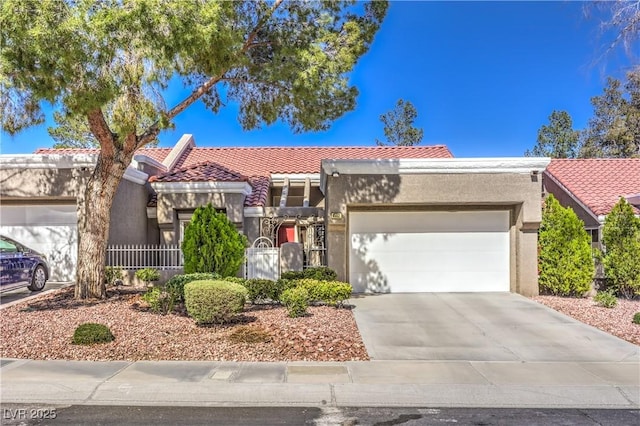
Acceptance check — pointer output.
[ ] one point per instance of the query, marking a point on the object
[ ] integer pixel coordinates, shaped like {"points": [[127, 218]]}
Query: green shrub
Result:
{"points": [[160, 300], [176, 284], [237, 280], [260, 289], [606, 299], [89, 333], [292, 275], [621, 237], [111, 274], [296, 300], [566, 264], [148, 275], [636, 318], [212, 243], [332, 293], [321, 273], [216, 302]]}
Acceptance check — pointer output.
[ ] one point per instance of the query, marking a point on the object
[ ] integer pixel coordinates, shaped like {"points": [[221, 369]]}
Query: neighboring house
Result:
{"points": [[591, 187], [387, 219]]}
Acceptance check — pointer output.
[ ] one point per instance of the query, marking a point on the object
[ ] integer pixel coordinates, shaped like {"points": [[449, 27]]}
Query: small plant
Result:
{"points": [[214, 301], [160, 300], [296, 300], [606, 299], [636, 318], [90, 333], [249, 334], [176, 284], [148, 275], [112, 274]]}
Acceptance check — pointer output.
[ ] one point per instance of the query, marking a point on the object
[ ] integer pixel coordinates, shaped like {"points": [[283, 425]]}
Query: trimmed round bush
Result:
{"points": [[214, 302], [90, 333], [176, 284], [296, 300], [636, 318]]}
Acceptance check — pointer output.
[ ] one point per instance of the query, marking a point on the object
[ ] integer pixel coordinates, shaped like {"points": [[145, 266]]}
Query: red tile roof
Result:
{"points": [[202, 172], [258, 197], [598, 183], [287, 160]]}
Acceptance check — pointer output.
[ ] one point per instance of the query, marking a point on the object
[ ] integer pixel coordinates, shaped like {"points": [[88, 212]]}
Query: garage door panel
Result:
{"points": [[452, 258], [49, 229]]}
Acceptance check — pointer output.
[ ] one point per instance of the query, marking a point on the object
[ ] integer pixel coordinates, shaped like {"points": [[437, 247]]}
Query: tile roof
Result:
{"points": [[201, 172], [598, 183], [258, 196], [260, 161], [158, 154]]}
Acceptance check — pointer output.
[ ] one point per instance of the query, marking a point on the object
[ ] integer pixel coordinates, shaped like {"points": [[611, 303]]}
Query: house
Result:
{"points": [[591, 187], [387, 219]]}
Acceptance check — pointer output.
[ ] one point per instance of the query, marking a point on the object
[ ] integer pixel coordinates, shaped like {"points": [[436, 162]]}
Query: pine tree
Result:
{"points": [[621, 237], [212, 243], [565, 259]]}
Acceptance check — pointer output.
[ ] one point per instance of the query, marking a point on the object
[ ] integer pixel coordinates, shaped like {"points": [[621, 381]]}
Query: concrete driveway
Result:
{"points": [[479, 327]]}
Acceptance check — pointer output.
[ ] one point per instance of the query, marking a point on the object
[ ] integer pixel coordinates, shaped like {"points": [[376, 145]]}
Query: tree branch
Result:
{"points": [[153, 130], [102, 132]]}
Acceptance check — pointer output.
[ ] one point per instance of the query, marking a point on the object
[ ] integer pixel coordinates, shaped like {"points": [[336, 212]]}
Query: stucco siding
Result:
{"points": [[27, 184], [128, 223]]}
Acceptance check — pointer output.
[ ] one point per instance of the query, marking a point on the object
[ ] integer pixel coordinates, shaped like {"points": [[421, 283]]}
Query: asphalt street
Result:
{"points": [[14, 414]]}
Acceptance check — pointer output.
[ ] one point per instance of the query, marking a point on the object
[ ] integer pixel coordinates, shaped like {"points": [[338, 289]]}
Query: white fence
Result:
{"points": [[139, 256], [262, 262]]}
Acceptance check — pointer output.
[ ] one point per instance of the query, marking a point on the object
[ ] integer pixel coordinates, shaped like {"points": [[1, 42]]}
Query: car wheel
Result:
{"points": [[38, 279]]}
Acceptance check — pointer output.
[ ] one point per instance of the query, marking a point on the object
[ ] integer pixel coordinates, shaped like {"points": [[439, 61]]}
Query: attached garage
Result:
{"points": [[434, 225], [429, 251], [50, 229]]}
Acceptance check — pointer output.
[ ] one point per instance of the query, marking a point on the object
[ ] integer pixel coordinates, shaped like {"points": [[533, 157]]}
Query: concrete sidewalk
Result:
{"points": [[345, 384]]}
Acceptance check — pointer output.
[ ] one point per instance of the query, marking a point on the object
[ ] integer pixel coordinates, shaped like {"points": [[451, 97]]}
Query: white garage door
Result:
{"points": [[49, 229], [417, 251]]}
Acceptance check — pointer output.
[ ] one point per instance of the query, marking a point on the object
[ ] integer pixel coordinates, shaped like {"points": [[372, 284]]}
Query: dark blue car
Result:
{"points": [[21, 266]]}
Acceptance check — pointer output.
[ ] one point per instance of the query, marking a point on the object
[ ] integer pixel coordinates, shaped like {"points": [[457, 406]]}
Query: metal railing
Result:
{"points": [[139, 256]]}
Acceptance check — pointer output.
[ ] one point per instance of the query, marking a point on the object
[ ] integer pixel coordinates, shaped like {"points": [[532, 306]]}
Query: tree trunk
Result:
{"points": [[94, 211]]}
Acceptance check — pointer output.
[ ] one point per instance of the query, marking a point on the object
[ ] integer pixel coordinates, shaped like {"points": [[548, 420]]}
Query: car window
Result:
{"points": [[7, 247]]}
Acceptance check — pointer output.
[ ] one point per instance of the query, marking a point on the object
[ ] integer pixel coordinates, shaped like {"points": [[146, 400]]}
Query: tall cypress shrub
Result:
{"points": [[212, 243], [565, 259], [621, 238]]}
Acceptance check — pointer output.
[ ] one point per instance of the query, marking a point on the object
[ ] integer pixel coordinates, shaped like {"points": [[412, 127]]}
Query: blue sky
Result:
{"points": [[484, 76]]}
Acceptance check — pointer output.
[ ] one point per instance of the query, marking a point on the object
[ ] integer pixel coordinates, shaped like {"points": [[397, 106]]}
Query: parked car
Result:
{"points": [[21, 266]]}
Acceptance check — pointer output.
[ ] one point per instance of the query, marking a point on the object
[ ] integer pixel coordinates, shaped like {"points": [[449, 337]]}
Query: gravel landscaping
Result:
{"points": [[43, 329], [616, 321]]}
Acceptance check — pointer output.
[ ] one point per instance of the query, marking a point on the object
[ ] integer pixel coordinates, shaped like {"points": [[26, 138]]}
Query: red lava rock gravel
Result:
{"points": [[43, 329], [616, 321]]}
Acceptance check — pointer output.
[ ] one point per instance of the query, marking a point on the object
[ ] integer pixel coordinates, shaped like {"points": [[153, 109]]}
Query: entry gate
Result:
{"points": [[263, 260]]}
